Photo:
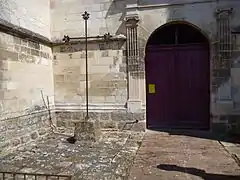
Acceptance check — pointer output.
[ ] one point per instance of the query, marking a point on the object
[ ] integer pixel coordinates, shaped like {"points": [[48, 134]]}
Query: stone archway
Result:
{"points": [[177, 66]]}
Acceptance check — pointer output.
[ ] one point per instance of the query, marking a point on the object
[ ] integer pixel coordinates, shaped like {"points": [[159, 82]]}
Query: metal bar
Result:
{"points": [[230, 36], [136, 34], [86, 46], [135, 41], [132, 45], [136, 51], [88, 37], [131, 42], [34, 174], [220, 33], [127, 63], [227, 35], [221, 38]]}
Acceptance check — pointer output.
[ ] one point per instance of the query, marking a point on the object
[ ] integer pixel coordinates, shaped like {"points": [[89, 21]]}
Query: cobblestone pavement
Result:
{"points": [[109, 159], [177, 157]]}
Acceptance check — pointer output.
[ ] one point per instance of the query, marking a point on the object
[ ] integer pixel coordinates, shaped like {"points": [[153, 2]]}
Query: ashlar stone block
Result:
{"points": [[87, 130]]}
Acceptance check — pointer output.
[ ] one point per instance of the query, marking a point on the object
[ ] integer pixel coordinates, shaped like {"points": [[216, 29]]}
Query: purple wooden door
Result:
{"points": [[181, 78]]}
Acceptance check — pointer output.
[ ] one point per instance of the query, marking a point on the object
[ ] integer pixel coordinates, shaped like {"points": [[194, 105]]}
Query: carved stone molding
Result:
{"points": [[132, 21]]}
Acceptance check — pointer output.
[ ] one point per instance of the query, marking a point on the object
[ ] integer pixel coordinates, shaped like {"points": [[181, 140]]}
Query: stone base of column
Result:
{"points": [[87, 130], [134, 105]]}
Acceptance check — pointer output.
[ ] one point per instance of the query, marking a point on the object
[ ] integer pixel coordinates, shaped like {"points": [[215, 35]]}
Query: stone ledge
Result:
{"points": [[18, 31], [91, 39], [120, 120], [102, 116]]}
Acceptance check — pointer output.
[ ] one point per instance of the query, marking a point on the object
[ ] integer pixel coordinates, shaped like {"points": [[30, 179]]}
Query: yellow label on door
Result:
{"points": [[151, 89]]}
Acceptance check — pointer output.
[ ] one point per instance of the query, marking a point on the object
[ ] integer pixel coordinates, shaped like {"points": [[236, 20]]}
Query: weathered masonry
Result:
{"points": [[168, 65]]}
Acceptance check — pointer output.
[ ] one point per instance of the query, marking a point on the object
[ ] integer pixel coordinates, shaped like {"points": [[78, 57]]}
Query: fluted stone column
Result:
{"points": [[134, 102]]}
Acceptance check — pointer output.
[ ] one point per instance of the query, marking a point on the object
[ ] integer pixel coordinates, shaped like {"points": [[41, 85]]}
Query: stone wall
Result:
{"points": [[234, 119], [26, 67], [108, 16], [106, 74], [33, 15], [107, 82], [25, 71], [224, 91], [167, 2], [121, 120], [105, 16], [183, 12]]}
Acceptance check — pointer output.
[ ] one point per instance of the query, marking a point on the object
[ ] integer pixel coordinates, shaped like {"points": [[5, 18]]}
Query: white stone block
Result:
{"points": [[44, 61], [222, 107], [134, 106], [12, 85], [235, 73]]}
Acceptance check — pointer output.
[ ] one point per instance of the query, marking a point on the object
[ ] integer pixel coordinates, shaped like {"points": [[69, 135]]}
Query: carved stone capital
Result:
{"points": [[132, 16], [131, 21], [224, 12]]}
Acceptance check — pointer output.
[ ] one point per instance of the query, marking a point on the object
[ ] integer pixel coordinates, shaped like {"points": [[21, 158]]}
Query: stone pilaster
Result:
{"points": [[134, 102]]}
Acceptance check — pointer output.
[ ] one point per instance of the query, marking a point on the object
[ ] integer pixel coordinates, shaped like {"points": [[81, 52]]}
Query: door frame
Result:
{"points": [[209, 60]]}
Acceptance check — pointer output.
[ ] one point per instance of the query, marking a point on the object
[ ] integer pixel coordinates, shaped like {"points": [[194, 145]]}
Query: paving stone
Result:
{"points": [[181, 157], [110, 157]]}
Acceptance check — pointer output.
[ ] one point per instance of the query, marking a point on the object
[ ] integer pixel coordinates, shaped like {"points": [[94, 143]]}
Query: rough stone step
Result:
{"points": [[87, 130]]}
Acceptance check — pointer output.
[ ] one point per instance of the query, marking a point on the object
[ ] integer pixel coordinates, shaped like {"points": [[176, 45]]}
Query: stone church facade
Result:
{"points": [[43, 79]]}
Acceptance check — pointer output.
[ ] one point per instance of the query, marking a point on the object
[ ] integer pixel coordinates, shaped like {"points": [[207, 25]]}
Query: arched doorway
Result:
{"points": [[178, 77]]}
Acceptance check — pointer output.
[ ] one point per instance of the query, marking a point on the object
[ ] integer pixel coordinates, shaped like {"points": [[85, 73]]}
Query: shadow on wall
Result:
{"points": [[4, 13], [154, 2], [118, 7], [197, 172]]}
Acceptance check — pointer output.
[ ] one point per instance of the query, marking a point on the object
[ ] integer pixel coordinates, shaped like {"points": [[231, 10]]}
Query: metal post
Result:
{"points": [[85, 16]]}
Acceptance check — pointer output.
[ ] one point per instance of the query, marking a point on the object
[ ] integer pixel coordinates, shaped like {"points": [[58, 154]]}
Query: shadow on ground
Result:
{"points": [[197, 172], [202, 134]]}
